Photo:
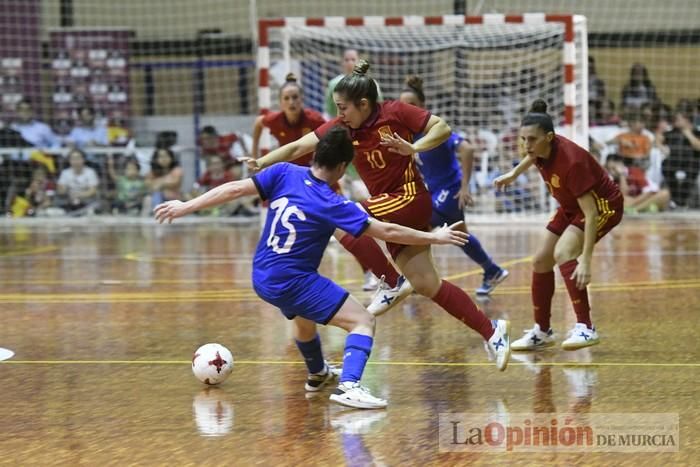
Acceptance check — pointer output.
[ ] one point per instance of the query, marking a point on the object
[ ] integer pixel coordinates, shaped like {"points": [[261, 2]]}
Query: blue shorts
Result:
{"points": [[446, 206], [311, 296]]}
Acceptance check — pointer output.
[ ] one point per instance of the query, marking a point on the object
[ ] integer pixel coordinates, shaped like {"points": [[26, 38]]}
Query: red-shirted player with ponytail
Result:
{"points": [[590, 204], [291, 123], [382, 137]]}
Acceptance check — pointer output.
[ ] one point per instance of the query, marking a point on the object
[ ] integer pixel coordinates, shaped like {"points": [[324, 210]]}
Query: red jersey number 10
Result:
{"points": [[375, 159]]}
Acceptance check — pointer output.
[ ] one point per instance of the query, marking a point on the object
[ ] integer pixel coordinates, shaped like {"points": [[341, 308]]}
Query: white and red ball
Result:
{"points": [[212, 363]]}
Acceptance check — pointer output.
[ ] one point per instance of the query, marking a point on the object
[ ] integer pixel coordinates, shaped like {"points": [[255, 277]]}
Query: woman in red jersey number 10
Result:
{"points": [[590, 205], [382, 137]]}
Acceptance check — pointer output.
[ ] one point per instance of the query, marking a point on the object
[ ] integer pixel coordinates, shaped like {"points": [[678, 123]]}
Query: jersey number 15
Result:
{"points": [[282, 214]]}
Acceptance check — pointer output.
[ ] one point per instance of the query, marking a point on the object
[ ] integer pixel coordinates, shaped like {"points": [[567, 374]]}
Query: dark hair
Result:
{"points": [[645, 80], [159, 171], [414, 85], [334, 148], [132, 160], [86, 107], [357, 85], [209, 130], [538, 116], [290, 80], [78, 151]]}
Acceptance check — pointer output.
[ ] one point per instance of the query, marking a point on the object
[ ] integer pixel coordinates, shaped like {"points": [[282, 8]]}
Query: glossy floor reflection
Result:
{"points": [[104, 319]]}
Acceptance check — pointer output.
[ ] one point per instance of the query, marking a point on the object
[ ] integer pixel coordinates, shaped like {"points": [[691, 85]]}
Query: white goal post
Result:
{"points": [[480, 72]]}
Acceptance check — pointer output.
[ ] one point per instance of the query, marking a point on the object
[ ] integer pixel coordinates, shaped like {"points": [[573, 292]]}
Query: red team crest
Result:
{"points": [[385, 131]]}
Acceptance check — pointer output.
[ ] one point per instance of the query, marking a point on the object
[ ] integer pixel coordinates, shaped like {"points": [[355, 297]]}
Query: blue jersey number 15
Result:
{"points": [[283, 211]]}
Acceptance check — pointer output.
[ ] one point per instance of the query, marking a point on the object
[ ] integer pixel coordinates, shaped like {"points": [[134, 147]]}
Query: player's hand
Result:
{"points": [[251, 163], [447, 235], [504, 180], [169, 210], [464, 197], [582, 275], [396, 143]]}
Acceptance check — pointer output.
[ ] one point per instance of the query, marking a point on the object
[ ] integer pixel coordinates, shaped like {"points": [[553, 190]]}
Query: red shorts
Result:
{"points": [[609, 212], [414, 212]]}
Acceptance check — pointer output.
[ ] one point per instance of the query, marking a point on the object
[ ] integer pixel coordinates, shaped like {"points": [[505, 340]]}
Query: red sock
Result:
{"points": [[458, 304], [370, 256], [542, 293], [579, 298]]}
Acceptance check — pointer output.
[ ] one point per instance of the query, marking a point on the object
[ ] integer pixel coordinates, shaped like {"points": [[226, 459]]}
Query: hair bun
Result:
{"points": [[415, 82], [539, 106], [361, 68], [290, 78]]}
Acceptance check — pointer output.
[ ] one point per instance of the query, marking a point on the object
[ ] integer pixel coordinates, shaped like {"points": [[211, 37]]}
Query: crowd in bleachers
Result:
{"points": [[651, 149], [92, 169]]}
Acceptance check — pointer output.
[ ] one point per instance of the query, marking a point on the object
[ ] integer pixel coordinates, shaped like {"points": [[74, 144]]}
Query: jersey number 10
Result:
{"points": [[282, 214], [375, 159]]}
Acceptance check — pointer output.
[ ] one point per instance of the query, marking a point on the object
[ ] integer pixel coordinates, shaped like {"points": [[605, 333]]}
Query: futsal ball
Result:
{"points": [[212, 363]]}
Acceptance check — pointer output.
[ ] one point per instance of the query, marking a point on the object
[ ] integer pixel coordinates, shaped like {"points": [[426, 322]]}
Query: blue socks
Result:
{"points": [[476, 252], [313, 356], [357, 350]]}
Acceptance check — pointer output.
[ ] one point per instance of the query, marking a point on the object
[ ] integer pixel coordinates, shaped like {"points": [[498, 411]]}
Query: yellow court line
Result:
{"points": [[28, 251], [239, 295], [379, 363], [111, 282]]}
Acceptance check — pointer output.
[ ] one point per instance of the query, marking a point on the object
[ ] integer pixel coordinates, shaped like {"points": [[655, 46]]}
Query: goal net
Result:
{"points": [[480, 74]]}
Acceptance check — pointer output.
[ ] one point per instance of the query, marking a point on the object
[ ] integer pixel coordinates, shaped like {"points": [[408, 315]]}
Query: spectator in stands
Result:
{"points": [[165, 179], [641, 194], [216, 174], [639, 89], [603, 113], [682, 165], [350, 57], [87, 132], [634, 144], [596, 86], [130, 186], [35, 132], [77, 185], [40, 191], [118, 133], [229, 147]]}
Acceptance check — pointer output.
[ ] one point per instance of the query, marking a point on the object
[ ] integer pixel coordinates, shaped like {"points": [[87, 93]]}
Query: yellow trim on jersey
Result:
{"points": [[409, 189], [604, 211]]}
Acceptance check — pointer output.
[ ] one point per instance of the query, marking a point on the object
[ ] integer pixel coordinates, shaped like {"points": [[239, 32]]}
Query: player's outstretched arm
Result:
{"points": [[288, 152], [510, 176], [395, 233], [221, 194]]}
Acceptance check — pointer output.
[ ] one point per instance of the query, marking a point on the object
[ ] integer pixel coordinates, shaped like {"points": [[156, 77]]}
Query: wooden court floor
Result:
{"points": [[103, 320]]}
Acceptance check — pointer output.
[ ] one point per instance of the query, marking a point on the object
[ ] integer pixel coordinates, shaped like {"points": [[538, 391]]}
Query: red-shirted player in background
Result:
{"points": [[381, 134], [291, 123], [590, 204]]}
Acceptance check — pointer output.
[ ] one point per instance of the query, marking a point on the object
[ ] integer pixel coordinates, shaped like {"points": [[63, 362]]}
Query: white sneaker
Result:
{"points": [[387, 298], [354, 395], [317, 381], [499, 343], [371, 282], [534, 339], [579, 337]]}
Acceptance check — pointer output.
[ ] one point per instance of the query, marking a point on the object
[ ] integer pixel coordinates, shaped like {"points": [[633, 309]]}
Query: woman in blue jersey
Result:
{"points": [[304, 213], [448, 184]]}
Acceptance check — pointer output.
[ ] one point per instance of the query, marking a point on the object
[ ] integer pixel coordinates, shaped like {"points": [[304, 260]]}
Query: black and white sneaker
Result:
{"points": [[317, 381]]}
